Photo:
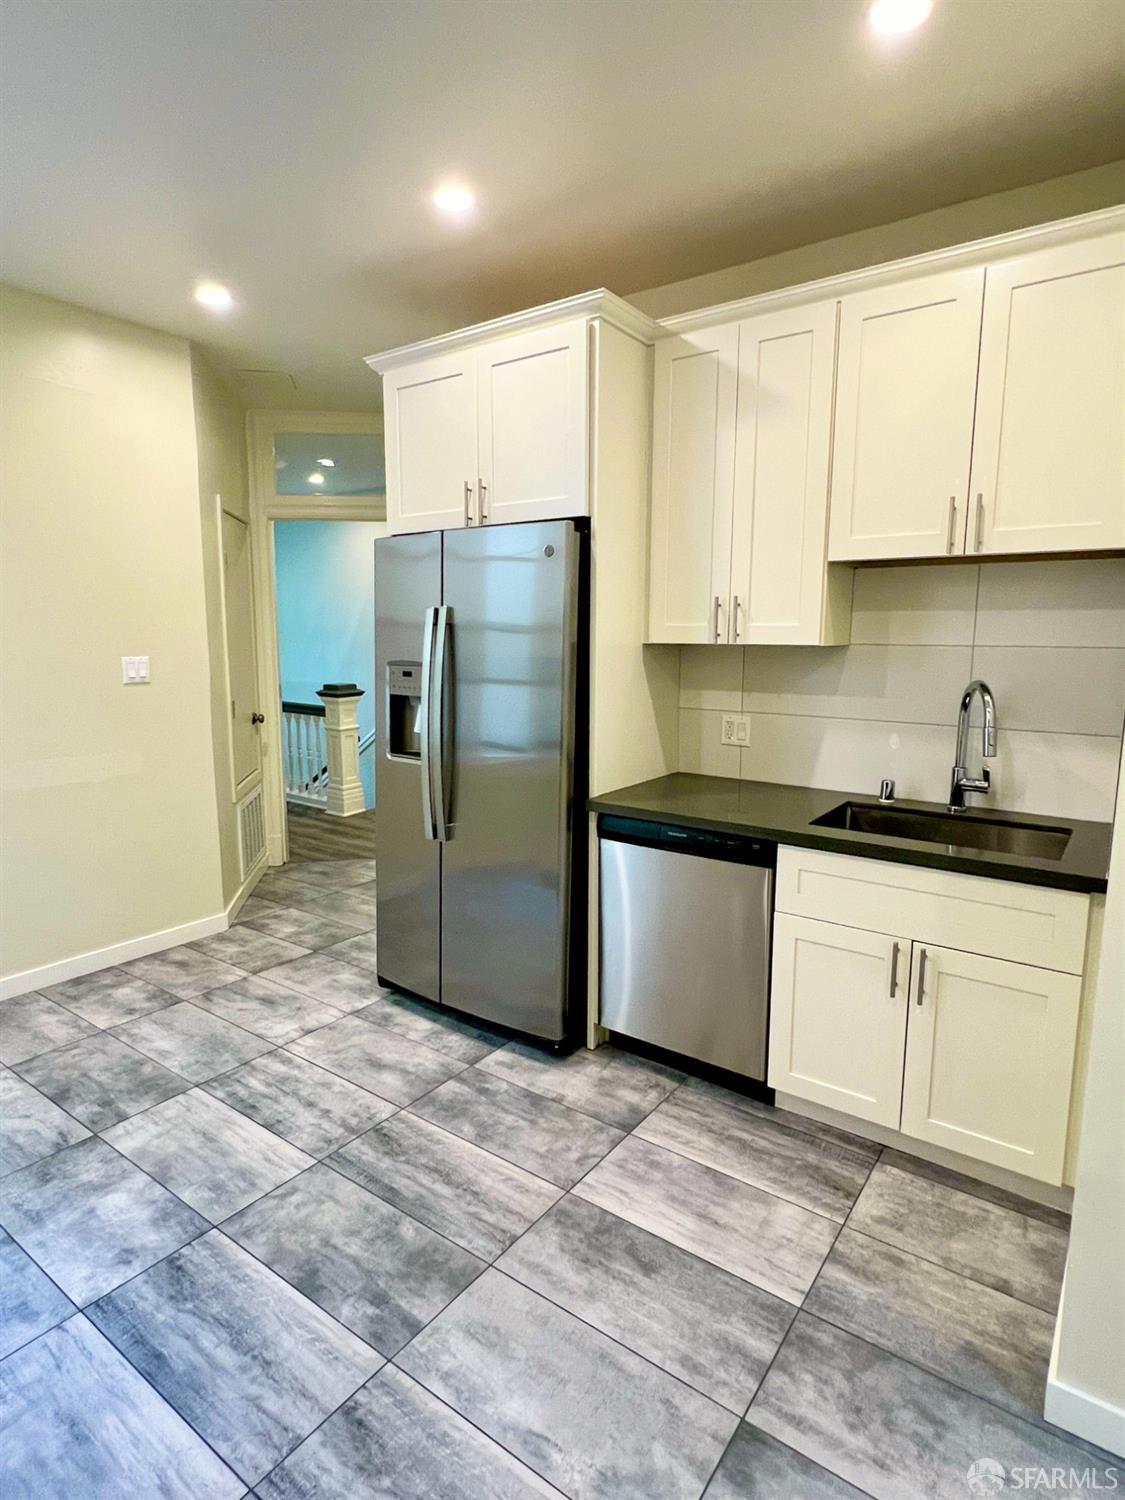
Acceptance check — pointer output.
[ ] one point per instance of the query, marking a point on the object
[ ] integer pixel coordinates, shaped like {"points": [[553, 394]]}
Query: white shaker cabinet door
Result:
{"points": [[695, 389], [989, 1059], [1049, 448], [838, 1016], [431, 438], [532, 395], [786, 362], [905, 390]]}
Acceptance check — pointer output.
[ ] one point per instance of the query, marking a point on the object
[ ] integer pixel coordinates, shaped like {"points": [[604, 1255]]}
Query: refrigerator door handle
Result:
{"points": [[425, 714], [441, 713]]}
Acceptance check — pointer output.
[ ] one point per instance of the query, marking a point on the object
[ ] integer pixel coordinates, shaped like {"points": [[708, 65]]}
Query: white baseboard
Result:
{"points": [[117, 953], [1086, 1416]]}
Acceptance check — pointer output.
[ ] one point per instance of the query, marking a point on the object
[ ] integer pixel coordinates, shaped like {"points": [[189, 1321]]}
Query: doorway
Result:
{"points": [[323, 471], [325, 591]]}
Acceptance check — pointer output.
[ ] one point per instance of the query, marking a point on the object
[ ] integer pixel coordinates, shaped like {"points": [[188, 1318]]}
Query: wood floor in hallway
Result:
{"points": [[315, 835]]}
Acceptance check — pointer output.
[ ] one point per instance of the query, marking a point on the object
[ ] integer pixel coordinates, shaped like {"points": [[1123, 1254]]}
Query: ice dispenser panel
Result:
{"points": [[404, 706]]}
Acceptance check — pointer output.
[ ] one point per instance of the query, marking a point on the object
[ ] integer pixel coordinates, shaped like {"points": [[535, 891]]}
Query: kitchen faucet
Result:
{"points": [[961, 781]]}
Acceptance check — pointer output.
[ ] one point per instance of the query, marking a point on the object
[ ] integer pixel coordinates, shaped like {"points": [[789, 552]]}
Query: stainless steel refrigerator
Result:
{"points": [[481, 647]]}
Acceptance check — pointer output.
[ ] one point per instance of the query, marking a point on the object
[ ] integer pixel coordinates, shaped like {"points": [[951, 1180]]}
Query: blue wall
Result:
{"points": [[326, 614]]}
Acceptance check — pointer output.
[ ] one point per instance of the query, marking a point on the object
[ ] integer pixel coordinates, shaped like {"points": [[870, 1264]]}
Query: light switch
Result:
{"points": [[134, 670]]}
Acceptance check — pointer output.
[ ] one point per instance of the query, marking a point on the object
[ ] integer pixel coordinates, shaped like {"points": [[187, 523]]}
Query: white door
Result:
{"points": [[694, 396], [838, 1016], [989, 1059], [430, 413], [532, 422], [786, 362], [242, 667], [904, 417], [1049, 448]]}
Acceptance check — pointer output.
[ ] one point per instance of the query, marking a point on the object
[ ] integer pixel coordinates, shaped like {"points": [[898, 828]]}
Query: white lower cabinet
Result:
{"points": [[989, 1059], [968, 1051], [838, 1017]]}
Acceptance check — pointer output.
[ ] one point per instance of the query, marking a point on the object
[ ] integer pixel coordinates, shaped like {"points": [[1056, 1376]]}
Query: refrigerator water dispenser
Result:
{"points": [[404, 710]]}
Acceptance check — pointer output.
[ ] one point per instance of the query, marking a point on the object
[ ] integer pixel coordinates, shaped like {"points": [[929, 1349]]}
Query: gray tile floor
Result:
{"points": [[263, 1224]]}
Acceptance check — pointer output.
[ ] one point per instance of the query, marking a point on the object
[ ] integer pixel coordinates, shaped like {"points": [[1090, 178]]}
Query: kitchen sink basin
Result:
{"points": [[954, 830]]}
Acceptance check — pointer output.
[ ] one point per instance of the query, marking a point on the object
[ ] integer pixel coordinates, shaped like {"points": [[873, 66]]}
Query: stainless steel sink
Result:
{"points": [[960, 830]]}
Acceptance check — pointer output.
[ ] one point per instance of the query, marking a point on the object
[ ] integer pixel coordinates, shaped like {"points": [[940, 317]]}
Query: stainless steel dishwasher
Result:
{"points": [[685, 926]]}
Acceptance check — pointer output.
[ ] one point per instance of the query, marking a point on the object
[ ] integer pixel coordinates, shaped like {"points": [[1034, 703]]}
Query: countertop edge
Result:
{"points": [[859, 846]]}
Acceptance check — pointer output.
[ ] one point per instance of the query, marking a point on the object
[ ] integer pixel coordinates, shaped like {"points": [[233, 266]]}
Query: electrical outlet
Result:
{"points": [[735, 729]]}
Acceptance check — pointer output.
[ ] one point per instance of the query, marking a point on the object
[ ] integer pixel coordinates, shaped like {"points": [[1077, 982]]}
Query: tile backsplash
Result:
{"points": [[1048, 637]]}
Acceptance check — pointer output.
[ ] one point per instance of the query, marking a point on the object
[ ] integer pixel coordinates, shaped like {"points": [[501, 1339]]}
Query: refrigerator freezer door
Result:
{"points": [[407, 588], [513, 593]]}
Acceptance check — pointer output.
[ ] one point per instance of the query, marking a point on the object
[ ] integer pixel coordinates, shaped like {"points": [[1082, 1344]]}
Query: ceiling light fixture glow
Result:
{"points": [[454, 199], [315, 479], [213, 296], [891, 17], [327, 463]]}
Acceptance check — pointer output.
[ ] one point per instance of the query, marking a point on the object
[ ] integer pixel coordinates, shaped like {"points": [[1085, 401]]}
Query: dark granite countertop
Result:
{"points": [[771, 810]]}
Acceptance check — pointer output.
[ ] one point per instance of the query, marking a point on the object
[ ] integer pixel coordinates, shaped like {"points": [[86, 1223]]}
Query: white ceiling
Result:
{"points": [[287, 148]]}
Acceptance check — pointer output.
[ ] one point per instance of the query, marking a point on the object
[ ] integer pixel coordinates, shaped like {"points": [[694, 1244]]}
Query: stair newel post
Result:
{"points": [[341, 728]]}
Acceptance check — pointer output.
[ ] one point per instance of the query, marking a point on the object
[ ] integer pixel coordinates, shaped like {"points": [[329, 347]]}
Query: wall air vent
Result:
{"points": [[251, 831]]}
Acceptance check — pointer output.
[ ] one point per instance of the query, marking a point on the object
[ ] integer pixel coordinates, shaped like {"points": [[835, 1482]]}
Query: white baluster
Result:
{"points": [[290, 779], [322, 759]]}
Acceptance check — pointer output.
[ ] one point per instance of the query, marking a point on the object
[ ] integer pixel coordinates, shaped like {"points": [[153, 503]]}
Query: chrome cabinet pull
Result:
{"points": [[734, 615], [978, 536], [468, 503], [921, 975], [718, 606], [952, 523], [482, 490], [894, 969]]}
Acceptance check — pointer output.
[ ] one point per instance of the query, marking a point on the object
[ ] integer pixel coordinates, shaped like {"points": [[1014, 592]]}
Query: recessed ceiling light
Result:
{"points": [[893, 16], [315, 479], [327, 463], [454, 199], [213, 297]]}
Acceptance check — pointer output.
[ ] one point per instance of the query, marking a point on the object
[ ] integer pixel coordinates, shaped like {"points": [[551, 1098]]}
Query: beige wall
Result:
{"points": [[1059, 198], [1090, 1338], [108, 793], [220, 426]]}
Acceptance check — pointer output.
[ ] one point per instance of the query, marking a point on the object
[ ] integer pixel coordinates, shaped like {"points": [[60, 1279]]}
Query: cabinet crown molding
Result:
{"points": [[971, 253], [599, 303]]}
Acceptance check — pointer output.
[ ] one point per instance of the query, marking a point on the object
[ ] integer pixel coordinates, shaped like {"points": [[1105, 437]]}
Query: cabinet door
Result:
{"points": [[695, 390], [904, 417], [1049, 447], [786, 362], [431, 437], [989, 1059], [533, 421], [838, 1016]]}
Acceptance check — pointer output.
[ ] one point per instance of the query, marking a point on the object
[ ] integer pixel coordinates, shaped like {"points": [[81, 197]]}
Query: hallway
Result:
{"points": [[314, 835]]}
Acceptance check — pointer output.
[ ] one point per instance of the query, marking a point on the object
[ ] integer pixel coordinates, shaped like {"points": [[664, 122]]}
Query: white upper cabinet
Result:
{"points": [[431, 438], [532, 424], [779, 583], [1049, 447], [696, 379], [904, 417], [497, 430]]}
